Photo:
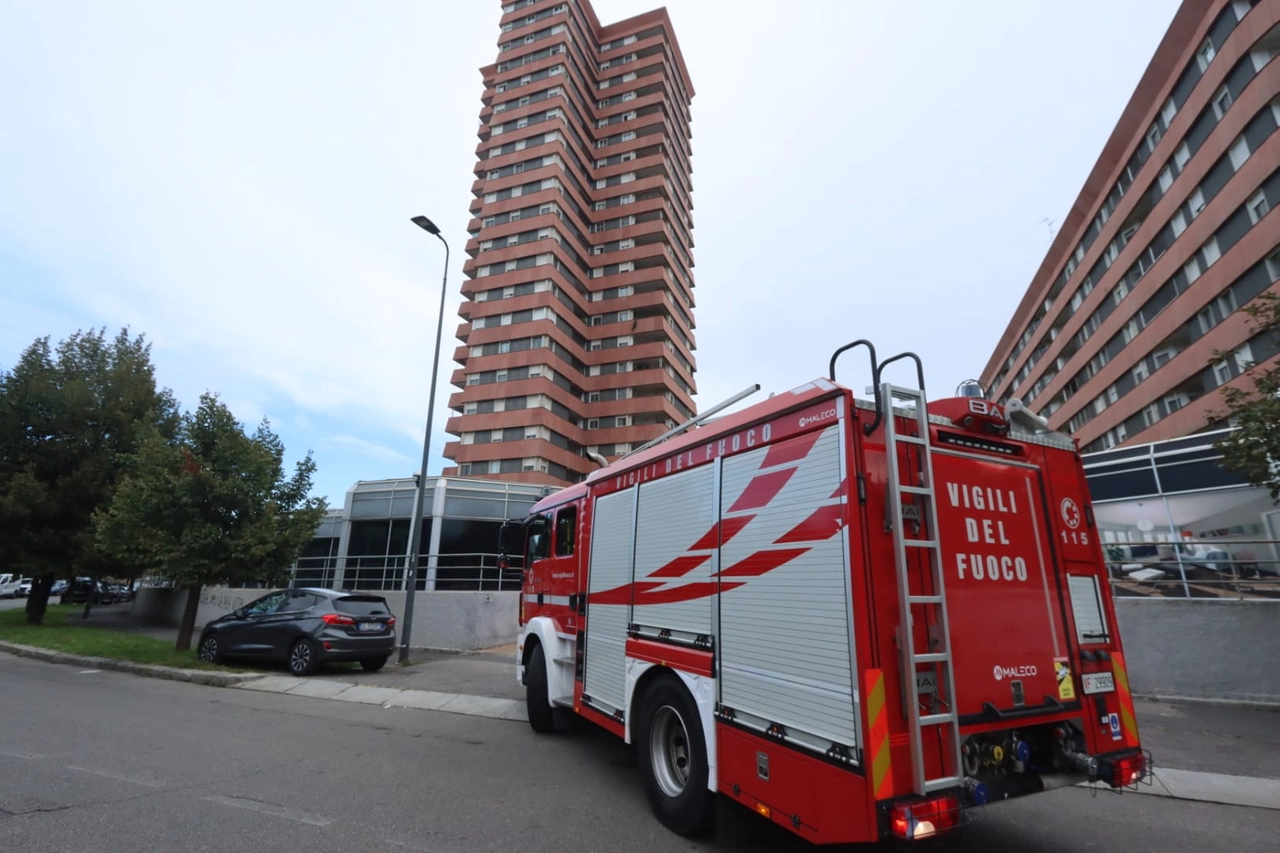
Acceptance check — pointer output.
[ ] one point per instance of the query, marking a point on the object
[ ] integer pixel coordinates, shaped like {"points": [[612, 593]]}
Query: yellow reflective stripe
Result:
{"points": [[875, 701], [1128, 720], [878, 740]]}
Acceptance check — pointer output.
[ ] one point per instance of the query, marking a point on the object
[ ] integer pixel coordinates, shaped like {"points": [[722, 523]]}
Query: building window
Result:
{"points": [[1196, 202], [1205, 55], [1153, 136], [1211, 252], [1222, 373], [1257, 206], [1181, 156], [1239, 153], [1159, 358], [1222, 102], [1273, 265], [1175, 401]]}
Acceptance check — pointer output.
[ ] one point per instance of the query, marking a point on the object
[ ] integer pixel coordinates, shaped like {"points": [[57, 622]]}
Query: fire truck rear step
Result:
{"points": [[915, 483]]}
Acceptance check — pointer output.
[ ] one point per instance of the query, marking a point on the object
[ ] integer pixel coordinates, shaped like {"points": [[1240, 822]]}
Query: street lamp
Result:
{"points": [[415, 524]]}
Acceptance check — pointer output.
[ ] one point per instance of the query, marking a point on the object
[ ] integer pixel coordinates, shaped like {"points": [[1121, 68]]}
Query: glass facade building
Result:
{"points": [[1174, 522], [365, 544]]}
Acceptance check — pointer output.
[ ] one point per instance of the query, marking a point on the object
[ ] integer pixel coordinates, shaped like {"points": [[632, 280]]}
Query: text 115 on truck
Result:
{"points": [[861, 620]]}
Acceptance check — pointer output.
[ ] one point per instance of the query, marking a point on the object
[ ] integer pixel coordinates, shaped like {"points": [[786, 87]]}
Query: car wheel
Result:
{"points": [[673, 759], [537, 705], [373, 664], [210, 650], [304, 658]]}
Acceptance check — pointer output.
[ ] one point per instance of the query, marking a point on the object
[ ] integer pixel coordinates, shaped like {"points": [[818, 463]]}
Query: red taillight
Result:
{"points": [[337, 619], [924, 818], [391, 620], [1128, 770]]}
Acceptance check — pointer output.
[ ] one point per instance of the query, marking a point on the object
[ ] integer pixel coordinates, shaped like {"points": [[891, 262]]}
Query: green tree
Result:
{"points": [[213, 506], [70, 418], [1252, 449]]}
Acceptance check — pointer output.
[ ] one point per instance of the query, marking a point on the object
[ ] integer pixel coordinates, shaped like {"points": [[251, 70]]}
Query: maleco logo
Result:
{"points": [[999, 673], [818, 418]]}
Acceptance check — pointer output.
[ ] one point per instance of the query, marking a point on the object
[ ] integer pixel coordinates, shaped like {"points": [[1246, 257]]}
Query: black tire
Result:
{"points": [[373, 664], [209, 650], [304, 657], [537, 704], [672, 751]]}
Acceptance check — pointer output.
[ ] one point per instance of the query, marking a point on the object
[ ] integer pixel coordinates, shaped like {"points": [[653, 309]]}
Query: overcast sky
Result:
{"points": [[235, 181]]}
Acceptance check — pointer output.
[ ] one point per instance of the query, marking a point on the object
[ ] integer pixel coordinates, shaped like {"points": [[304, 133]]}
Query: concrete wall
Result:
{"points": [[441, 620], [1202, 648]]}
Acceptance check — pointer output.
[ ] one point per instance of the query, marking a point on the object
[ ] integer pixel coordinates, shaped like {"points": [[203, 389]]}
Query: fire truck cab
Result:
{"points": [[859, 619]]}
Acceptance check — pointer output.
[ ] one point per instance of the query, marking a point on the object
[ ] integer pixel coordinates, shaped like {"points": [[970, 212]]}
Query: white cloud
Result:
{"points": [[356, 444]]}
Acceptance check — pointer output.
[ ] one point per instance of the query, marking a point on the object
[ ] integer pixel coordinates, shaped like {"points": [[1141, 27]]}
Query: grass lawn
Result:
{"points": [[63, 634]]}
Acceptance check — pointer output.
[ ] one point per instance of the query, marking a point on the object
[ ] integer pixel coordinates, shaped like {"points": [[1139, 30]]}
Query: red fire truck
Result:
{"points": [[860, 619]]}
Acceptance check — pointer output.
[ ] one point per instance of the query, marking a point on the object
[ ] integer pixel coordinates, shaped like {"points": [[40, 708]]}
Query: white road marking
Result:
{"points": [[268, 808], [25, 756], [107, 774], [89, 671]]}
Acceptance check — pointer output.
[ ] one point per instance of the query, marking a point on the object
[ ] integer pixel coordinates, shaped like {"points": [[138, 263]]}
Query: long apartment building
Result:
{"points": [[1133, 322], [578, 332]]}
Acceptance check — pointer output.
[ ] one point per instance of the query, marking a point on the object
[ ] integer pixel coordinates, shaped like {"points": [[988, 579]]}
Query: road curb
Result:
{"points": [[1249, 704], [464, 704], [194, 676]]}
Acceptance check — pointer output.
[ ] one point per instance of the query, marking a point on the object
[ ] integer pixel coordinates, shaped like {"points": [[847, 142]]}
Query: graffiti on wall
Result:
{"points": [[222, 600]]}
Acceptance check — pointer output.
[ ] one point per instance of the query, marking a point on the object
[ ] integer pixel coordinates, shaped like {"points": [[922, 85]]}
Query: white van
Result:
{"points": [[9, 585]]}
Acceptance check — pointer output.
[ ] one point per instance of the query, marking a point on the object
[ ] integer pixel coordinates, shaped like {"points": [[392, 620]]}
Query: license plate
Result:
{"points": [[370, 626], [1099, 682]]}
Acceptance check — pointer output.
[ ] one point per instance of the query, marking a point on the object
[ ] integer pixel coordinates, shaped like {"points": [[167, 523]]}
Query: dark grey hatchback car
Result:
{"points": [[305, 628]]}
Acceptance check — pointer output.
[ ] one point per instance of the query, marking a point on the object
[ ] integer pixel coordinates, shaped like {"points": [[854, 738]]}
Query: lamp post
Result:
{"points": [[415, 524]]}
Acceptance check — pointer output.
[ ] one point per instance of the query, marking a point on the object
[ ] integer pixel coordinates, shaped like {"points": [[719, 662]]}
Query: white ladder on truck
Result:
{"points": [[915, 485]]}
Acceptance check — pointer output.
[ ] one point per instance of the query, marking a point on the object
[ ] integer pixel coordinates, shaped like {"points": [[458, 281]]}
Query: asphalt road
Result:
{"points": [[93, 761]]}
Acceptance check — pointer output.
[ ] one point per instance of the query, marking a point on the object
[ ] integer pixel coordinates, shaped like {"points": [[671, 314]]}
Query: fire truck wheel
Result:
{"points": [[673, 758], [541, 716]]}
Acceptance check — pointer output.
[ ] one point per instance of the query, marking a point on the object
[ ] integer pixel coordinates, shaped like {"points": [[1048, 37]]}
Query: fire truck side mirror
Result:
{"points": [[508, 539]]}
